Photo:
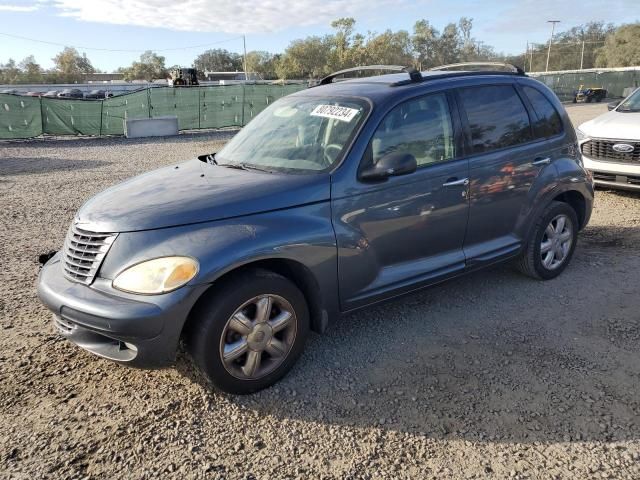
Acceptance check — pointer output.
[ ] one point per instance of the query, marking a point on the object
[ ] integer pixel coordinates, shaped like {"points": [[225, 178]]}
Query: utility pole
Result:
{"points": [[582, 56], [553, 29], [526, 54], [244, 58], [531, 59]]}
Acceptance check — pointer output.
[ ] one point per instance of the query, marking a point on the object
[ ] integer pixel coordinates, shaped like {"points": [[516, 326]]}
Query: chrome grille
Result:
{"points": [[603, 150], [84, 252]]}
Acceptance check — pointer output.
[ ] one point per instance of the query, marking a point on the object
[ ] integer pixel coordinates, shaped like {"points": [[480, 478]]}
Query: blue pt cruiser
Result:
{"points": [[330, 200]]}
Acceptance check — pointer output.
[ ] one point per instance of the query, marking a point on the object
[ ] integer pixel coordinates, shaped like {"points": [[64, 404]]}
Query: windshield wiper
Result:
{"points": [[244, 166]]}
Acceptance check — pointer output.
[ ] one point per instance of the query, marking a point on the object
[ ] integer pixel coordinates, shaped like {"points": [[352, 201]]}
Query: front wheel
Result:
{"points": [[248, 332], [551, 243]]}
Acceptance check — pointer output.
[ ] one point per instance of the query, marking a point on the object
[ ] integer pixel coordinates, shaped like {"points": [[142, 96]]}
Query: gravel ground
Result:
{"points": [[489, 376]]}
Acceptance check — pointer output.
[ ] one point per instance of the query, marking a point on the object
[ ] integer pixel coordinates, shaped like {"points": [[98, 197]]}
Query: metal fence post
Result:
{"points": [[101, 112], [42, 117], [243, 101], [149, 100]]}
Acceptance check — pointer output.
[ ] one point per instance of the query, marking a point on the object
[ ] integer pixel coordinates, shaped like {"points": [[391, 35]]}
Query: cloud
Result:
{"points": [[4, 7], [229, 16]]}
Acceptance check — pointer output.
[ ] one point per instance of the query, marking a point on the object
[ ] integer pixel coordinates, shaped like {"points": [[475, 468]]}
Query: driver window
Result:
{"points": [[421, 127]]}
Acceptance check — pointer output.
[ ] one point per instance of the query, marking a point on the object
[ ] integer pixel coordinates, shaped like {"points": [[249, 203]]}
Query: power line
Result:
{"points": [[568, 43], [77, 47]]}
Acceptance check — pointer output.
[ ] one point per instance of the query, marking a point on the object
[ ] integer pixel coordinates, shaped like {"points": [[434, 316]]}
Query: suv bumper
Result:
{"points": [[136, 330], [615, 175]]}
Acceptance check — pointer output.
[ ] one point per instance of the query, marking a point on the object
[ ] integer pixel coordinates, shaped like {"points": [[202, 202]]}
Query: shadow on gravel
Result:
{"points": [[609, 237], [619, 193], [29, 166], [491, 357]]}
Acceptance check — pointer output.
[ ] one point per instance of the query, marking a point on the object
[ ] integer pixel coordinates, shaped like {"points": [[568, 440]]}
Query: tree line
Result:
{"points": [[594, 44]]}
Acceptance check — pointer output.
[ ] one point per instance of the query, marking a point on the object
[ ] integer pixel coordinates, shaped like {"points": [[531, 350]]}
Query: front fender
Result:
{"points": [[301, 234]]}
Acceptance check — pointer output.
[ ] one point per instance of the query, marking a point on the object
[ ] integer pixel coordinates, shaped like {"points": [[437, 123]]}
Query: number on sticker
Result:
{"points": [[344, 114]]}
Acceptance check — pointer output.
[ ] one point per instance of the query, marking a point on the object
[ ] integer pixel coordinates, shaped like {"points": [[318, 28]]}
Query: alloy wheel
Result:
{"points": [[258, 337], [556, 242]]}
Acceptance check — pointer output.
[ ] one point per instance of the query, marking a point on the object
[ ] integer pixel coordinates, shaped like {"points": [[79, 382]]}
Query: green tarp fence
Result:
{"points": [[195, 107], [20, 117], [564, 84]]}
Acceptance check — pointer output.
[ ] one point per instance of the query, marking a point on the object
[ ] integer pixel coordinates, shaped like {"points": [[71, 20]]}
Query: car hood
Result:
{"points": [[614, 125], [194, 192]]}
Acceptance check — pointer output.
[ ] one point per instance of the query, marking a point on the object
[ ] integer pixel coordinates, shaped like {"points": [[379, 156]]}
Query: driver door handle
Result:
{"points": [[541, 161], [454, 182]]}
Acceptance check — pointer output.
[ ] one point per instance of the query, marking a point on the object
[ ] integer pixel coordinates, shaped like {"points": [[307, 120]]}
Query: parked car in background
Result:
{"points": [[330, 200], [33, 94], [610, 144], [98, 94], [11, 91], [51, 94], [71, 93]]}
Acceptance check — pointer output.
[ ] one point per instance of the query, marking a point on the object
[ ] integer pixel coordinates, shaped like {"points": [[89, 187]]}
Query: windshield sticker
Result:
{"points": [[343, 114]]}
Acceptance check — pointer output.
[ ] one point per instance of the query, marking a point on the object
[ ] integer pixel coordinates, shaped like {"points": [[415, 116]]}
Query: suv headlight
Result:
{"points": [[160, 275], [581, 135]]}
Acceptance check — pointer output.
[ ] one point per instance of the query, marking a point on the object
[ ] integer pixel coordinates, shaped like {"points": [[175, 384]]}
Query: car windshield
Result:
{"points": [[296, 134], [631, 104]]}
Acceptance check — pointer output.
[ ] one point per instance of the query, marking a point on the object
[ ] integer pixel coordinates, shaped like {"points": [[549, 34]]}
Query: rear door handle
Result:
{"points": [[541, 161], [454, 182]]}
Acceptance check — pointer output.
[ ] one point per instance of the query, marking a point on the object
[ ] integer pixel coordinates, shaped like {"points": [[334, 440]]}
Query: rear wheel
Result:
{"points": [[248, 333], [551, 243]]}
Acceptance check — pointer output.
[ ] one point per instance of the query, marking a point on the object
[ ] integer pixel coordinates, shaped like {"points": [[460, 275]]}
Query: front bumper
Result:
{"points": [[140, 331], [614, 175]]}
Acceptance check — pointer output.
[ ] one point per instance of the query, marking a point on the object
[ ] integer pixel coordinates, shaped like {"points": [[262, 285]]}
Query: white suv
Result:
{"points": [[610, 144]]}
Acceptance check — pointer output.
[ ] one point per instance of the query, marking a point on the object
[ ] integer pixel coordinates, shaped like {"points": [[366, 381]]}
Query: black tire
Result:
{"points": [[530, 262], [210, 317], [589, 99]]}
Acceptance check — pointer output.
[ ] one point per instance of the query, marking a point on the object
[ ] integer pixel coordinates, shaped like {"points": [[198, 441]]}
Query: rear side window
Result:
{"points": [[497, 117], [548, 123], [421, 127]]}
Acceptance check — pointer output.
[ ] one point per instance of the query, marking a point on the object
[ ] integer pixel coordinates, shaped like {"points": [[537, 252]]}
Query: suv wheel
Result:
{"points": [[551, 243], [248, 333]]}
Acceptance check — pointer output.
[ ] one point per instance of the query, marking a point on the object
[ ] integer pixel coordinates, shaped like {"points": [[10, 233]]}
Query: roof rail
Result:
{"points": [[485, 67], [414, 75]]}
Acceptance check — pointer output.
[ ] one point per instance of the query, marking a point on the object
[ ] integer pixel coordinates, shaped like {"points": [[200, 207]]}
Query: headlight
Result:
{"points": [[160, 275], [581, 135]]}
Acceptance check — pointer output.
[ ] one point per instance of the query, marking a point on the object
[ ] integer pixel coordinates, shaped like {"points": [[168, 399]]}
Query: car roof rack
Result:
{"points": [[485, 67], [414, 75]]}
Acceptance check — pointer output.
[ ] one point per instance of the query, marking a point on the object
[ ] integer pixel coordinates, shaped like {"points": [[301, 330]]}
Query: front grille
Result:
{"points": [[84, 252], [64, 326], [616, 178], [603, 150], [605, 177]]}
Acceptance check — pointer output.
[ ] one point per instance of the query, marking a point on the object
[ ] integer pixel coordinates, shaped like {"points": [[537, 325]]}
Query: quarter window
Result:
{"points": [[421, 127], [497, 117], [548, 123]]}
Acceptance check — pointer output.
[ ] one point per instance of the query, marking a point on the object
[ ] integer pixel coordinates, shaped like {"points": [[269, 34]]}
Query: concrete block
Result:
{"points": [[151, 127]]}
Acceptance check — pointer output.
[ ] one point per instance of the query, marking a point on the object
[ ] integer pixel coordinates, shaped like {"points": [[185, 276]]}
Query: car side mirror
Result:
{"points": [[612, 105], [391, 165]]}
